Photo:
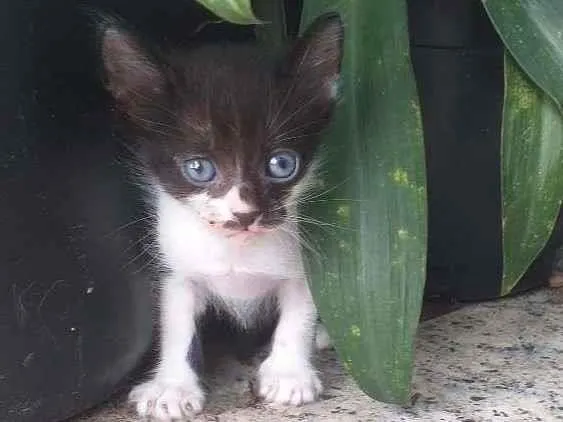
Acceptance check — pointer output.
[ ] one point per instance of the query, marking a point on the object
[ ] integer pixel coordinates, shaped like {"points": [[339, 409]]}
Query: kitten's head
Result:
{"points": [[227, 130]]}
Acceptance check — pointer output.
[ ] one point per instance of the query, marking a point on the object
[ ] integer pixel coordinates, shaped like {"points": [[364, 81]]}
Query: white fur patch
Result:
{"points": [[235, 202], [222, 209]]}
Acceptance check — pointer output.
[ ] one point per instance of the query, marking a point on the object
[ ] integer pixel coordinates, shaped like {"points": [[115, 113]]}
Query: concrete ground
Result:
{"points": [[495, 361]]}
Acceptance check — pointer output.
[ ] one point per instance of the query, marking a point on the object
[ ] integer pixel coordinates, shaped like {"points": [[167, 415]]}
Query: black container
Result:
{"points": [[75, 311], [458, 64]]}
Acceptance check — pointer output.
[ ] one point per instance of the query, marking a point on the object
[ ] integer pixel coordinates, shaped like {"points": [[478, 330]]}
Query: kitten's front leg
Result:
{"points": [[174, 392], [287, 376]]}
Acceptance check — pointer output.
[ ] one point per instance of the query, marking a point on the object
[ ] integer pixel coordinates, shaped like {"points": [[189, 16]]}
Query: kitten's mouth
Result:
{"points": [[246, 232], [241, 237], [241, 233]]}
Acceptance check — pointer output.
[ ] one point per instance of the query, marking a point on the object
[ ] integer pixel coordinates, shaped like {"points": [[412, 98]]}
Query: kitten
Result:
{"points": [[226, 136]]}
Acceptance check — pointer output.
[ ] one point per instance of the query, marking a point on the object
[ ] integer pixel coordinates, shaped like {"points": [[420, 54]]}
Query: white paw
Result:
{"points": [[295, 386], [166, 401]]}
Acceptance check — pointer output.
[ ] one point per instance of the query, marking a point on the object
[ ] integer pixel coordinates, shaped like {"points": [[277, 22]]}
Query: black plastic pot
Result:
{"points": [[74, 316], [75, 313], [458, 63]]}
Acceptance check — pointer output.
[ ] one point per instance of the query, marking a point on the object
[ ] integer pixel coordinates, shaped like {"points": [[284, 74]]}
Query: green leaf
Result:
{"points": [[532, 31], [234, 11], [368, 267], [532, 170], [532, 135]]}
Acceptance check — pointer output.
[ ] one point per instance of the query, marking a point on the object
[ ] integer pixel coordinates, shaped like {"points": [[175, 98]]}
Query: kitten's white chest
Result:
{"points": [[227, 268], [238, 270]]}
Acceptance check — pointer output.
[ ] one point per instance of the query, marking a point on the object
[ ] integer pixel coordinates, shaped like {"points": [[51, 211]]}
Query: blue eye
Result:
{"points": [[282, 166], [199, 171]]}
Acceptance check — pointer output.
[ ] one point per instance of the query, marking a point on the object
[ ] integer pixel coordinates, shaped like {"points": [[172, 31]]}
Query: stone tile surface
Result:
{"points": [[494, 361]]}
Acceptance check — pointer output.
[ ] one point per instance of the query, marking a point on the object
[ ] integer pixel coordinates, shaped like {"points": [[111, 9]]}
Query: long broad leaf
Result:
{"points": [[368, 267], [532, 135], [235, 11], [532, 171]]}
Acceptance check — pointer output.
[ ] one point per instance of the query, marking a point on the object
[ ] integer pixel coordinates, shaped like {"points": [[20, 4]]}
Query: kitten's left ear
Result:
{"points": [[317, 54], [132, 74]]}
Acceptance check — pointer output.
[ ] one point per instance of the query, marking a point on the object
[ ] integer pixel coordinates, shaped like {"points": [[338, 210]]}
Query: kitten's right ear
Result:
{"points": [[317, 54], [131, 73]]}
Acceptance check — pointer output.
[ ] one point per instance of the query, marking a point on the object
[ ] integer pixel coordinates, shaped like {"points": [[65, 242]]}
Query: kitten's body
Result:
{"points": [[226, 138]]}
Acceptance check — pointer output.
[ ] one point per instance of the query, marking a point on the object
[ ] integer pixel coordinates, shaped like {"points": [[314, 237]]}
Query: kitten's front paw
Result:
{"points": [[283, 384], [166, 401]]}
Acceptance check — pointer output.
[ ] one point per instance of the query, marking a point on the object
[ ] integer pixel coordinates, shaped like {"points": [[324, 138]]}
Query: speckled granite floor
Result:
{"points": [[497, 361]]}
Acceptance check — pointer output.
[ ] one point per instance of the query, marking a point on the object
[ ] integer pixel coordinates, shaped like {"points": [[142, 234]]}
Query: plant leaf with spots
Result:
{"points": [[532, 172], [532, 31], [532, 133], [368, 261]]}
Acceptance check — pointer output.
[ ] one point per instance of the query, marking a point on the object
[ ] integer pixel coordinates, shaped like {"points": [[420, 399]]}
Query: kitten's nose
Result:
{"points": [[245, 219]]}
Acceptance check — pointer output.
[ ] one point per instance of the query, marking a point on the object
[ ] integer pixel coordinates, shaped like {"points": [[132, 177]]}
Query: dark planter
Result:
{"points": [[75, 311], [74, 308], [458, 63]]}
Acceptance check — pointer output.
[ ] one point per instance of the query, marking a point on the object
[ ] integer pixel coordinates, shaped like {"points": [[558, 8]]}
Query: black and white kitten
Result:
{"points": [[226, 135]]}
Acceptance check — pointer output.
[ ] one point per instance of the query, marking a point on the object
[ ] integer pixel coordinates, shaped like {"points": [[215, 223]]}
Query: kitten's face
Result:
{"points": [[224, 129]]}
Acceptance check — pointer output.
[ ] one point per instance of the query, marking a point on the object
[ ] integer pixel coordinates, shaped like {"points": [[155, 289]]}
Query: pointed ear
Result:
{"points": [[317, 54], [131, 72]]}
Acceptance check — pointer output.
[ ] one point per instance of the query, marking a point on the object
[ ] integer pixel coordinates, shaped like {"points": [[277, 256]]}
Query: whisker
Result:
{"points": [[300, 127], [290, 138], [306, 237], [152, 129], [316, 195], [155, 104], [301, 241], [297, 111], [288, 93], [146, 264], [327, 227], [321, 223], [145, 250], [140, 240], [138, 220], [339, 200], [157, 123]]}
